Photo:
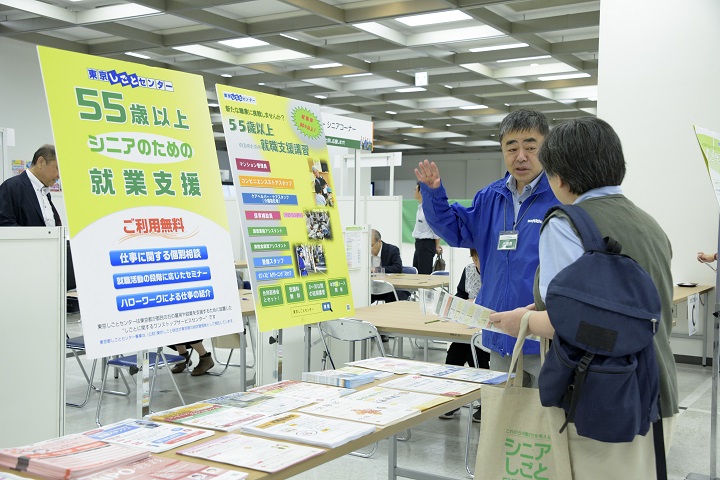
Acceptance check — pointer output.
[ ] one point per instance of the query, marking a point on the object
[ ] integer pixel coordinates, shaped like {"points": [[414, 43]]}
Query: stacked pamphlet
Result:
{"points": [[453, 372], [68, 457], [257, 402], [150, 436], [361, 411], [9, 476], [399, 398], [208, 415], [158, 467], [251, 452], [346, 377], [393, 365], [305, 390], [435, 386], [298, 427], [467, 374]]}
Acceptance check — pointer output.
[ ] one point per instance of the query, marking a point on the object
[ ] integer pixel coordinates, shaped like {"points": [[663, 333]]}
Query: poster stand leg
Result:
{"points": [[243, 360], [143, 387], [714, 402]]}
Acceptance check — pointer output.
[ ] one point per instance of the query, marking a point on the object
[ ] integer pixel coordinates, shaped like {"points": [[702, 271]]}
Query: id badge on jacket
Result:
{"points": [[508, 240]]}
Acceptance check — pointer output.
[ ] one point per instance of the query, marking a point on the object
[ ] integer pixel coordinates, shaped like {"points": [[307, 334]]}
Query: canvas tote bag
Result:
{"points": [[519, 437]]}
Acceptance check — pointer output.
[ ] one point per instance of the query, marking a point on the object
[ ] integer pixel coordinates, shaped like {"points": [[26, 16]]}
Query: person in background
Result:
{"points": [[320, 186], [585, 166], [25, 199], [427, 244], [503, 225], [206, 361], [703, 257], [389, 259], [302, 268], [461, 353]]}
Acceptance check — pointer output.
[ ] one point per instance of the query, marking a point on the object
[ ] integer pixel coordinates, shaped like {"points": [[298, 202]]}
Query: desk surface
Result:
{"points": [[331, 454], [247, 303], [680, 294], [410, 281], [241, 264], [405, 318]]}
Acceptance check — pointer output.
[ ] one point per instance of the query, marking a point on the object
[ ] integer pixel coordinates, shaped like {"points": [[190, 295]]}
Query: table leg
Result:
{"points": [[392, 457]]}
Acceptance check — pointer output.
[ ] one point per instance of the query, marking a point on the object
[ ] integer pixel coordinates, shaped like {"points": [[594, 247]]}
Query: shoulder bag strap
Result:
{"points": [[517, 356], [585, 226]]}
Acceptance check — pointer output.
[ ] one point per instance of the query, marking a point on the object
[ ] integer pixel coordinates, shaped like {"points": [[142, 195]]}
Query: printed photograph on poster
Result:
{"points": [[310, 259], [321, 183], [317, 225]]}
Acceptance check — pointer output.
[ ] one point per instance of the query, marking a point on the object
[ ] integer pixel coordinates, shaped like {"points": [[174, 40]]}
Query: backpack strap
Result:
{"points": [[580, 373], [585, 226], [659, 442]]}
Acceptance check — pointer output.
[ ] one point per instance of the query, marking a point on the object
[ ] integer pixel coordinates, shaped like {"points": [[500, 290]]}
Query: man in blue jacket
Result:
{"points": [[503, 225]]}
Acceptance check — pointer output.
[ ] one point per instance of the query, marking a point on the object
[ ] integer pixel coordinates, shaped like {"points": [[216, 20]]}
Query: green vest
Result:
{"points": [[645, 242]]}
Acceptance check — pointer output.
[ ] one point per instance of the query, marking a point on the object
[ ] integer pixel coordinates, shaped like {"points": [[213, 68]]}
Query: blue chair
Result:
{"points": [[411, 295], [156, 360], [441, 272], [77, 346]]}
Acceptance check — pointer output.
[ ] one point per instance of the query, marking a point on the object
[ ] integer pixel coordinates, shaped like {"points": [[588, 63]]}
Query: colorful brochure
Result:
{"points": [[399, 398], [165, 468], [435, 386], [149, 436], [346, 377], [393, 365], [252, 452], [68, 457], [361, 411], [303, 390], [208, 415], [319, 431], [467, 374], [256, 402]]}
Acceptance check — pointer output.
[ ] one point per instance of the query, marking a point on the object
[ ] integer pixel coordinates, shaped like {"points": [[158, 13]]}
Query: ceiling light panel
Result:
{"points": [[491, 48], [434, 18], [246, 42]]}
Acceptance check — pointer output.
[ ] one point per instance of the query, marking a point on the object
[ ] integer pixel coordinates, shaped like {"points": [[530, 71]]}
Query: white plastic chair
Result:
{"points": [[352, 330], [381, 287]]}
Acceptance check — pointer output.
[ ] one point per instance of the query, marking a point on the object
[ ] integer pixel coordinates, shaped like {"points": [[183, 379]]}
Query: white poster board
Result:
{"points": [[32, 295]]}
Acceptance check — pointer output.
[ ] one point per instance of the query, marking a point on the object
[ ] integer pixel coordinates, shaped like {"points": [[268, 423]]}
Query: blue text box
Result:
{"points": [[161, 277], [265, 275], [160, 299], [279, 261], [157, 255], [269, 199]]}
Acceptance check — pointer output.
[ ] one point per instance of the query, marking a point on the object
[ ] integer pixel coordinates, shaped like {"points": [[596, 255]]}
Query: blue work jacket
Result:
{"points": [[507, 275]]}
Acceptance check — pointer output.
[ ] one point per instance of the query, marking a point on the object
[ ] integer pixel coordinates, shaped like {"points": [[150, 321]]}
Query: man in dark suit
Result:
{"points": [[25, 199], [390, 260]]}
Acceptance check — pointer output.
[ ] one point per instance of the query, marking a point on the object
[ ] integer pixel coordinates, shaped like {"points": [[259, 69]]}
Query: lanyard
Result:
{"points": [[516, 222]]}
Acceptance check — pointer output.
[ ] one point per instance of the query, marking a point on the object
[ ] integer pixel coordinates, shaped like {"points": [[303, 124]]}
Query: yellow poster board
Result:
{"points": [[290, 221], [149, 234], [710, 146]]}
